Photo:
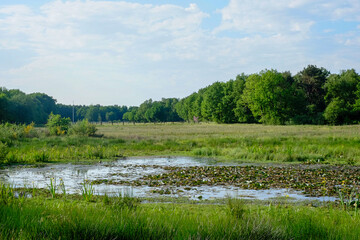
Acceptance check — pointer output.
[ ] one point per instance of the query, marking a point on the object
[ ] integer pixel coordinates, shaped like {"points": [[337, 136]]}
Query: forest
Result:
{"points": [[312, 96]]}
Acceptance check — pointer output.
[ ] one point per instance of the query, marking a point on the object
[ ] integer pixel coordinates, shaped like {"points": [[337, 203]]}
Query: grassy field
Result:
{"points": [[242, 142], [50, 215], [71, 217], [237, 143]]}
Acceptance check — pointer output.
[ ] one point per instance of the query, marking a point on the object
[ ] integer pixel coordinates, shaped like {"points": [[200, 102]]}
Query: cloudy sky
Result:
{"points": [[124, 52]]}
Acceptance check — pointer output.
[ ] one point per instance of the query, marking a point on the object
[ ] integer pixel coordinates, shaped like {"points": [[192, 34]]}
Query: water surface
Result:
{"points": [[132, 169]]}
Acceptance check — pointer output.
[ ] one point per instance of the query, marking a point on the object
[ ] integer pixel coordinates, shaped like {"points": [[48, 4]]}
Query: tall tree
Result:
{"points": [[92, 113], [341, 97], [212, 107], [242, 111], [270, 97], [311, 81]]}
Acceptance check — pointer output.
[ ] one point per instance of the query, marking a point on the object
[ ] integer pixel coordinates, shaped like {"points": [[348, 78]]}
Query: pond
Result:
{"points": [[130, 176]]}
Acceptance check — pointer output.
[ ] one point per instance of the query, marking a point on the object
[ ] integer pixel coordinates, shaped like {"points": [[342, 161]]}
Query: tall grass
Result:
{"points": [[237, 142], [60, 218], [87, 190]]}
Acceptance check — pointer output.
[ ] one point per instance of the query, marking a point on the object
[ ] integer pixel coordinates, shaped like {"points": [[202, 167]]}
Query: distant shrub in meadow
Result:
{"points": [[83, 128], [58, 125]]}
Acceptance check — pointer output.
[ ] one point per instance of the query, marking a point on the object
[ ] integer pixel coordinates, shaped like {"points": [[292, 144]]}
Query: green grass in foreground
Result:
{"points": [[110, 218], [236, 142]]}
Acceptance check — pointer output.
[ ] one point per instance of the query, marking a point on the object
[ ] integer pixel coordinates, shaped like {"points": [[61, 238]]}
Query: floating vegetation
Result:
{"points": [[311, 180]]}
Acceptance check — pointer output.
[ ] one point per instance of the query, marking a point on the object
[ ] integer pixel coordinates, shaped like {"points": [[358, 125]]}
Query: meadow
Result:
{"points": [[54, 214], [226, 142]]}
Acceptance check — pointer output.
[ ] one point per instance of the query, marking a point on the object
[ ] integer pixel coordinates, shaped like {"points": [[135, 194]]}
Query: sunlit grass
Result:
{"points": [[225, 142], [117, 218]]}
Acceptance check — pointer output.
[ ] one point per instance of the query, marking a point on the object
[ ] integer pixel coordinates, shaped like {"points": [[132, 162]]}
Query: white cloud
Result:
{"points": [[85, 46], [264, 17], [337, 9], [113, 52]]}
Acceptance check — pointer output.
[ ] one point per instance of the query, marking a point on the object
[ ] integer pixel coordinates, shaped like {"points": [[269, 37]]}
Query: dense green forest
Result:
{"points": [[312, 96]]}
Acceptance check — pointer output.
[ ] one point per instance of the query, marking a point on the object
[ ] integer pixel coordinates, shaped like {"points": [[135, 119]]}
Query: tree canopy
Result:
{"points": [[312, 96]]}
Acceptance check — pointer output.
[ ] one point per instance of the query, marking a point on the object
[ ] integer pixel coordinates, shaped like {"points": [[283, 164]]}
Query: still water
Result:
{"points": [[132, 169]]}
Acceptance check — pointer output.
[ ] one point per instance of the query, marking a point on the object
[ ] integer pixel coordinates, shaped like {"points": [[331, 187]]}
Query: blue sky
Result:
{"points": [[125, 52]]}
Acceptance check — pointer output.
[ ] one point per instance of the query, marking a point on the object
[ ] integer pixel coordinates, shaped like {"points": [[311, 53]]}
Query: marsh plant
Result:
{"points": [[106, 199], [62, 187], [127, 200], [52, 187], [7, 194], [87, 190], [236, 207], [349, 199]]}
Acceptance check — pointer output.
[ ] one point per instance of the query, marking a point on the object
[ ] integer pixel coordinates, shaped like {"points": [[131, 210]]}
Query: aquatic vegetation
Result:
{"points": [[313, 181], [41, 156], [125, 199], [87, 190], [7, 194], [62, 187], [52, 187], [349, 197]]}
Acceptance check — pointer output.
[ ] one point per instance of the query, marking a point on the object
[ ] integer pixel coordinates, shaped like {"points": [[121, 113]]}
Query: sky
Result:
{"points": [[125, 52]]}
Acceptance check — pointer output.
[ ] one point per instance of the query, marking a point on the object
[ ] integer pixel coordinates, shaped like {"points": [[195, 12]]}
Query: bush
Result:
{"points": [[10, 132], [83, 128], [58, 125], [4, 149]]}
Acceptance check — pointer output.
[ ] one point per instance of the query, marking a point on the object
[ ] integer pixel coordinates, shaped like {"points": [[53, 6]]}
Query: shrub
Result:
{"points": [[4, 149], [58, 125], [10, 132], [83, 128]]}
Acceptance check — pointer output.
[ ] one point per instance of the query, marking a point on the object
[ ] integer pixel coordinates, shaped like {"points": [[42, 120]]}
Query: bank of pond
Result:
{"points": [[179, 198]]}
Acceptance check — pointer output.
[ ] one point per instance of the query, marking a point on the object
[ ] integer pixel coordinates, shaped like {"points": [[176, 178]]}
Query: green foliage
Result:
{"points": [[7, 194], [212, 106], [241, 110], [4, 149], [93, 112], [41, 218], [58, 125], [310, 81], [126, 200], [15, 132], [110, 116], [270, 96], [52, 187], [206, 152], [312, 96], [341, 98], [336, 112], [87, 190], [83, 128], [40, 156], [16, 106], [236, 207], [154, 111]]}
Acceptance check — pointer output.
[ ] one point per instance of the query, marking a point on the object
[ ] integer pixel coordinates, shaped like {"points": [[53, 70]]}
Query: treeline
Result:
{"points": [[18, 107], [154, 111], [312, 96]]}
